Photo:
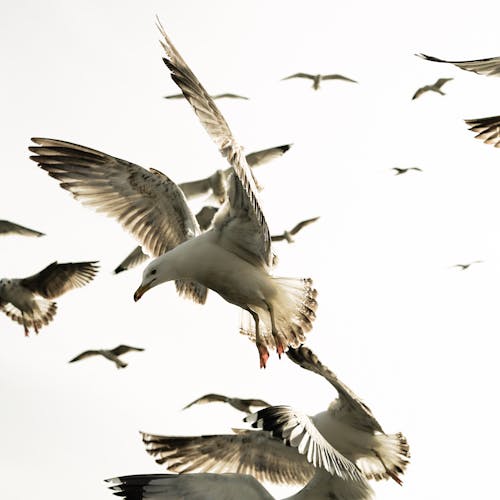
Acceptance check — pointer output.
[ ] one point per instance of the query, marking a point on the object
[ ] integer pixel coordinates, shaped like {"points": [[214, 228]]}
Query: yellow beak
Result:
{"points": [[142, 290]]}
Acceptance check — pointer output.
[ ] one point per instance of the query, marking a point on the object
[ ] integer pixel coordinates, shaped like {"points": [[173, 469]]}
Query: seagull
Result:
{"points": [[319, 78], [207, 486], [486, 67], [463, 267], [244, 405], [348, 425], [233, 258], [111, 354], [28, 300], [7, 227], [488, 129], [137, 256], [226, 95], [287, 235], [400, 171], [435, 87]]}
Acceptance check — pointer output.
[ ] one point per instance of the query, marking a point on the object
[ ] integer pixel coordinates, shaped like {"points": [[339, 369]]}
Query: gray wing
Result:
{"points": [[228, 95], [299, 431], [174, 96], [248, 452], [85, 355], [488, 67], [133, 259], [488, 129], [205, 217], [188, 486], [337, 77], [441, 81], [258, 158], [242, 197], [123, 349], [7, 227], [195, 188], [360, 415], [207, 398], [303, 224], [57, 279], [420, 91], [299, 75]]}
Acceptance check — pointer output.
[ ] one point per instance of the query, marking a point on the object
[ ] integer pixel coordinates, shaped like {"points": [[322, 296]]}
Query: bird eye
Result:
{"points": [[153, 271]]}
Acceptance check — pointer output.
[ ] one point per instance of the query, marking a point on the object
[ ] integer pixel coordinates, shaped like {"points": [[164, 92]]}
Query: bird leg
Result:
{"points": [[280, 348], [388, 472], [26, 331], [263, 352]]}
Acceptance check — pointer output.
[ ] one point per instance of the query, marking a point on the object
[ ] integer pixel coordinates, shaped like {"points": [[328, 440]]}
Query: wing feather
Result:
{"points": [[487, 67]]}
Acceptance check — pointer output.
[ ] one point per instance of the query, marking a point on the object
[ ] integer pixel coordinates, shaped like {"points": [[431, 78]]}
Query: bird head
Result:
{"points": [[155, 273]]}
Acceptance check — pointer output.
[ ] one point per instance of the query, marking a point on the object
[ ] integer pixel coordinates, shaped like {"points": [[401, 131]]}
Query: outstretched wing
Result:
{"points": [[488, 129], [207, 398], [258, 158], [228, 95], [85, 355], [487, 67], [7, 227], [420, 91], [299, 75], [299, 431], [243, 198], [133, 259], [57, 279], [248, 452], [302, 224], [338, 77], [441, 81], [123, 349]]}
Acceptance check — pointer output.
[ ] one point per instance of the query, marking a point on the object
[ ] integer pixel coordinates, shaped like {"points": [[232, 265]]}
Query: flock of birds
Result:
{"points": [[225, 248]]}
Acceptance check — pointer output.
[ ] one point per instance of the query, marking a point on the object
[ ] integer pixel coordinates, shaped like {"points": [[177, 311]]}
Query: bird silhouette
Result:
{"points": [[435, 87], [111, 354], [319, 78], [287, 235], [400, 171], [244, 405]]}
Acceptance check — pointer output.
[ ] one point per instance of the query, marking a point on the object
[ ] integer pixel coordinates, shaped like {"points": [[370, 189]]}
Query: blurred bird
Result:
{"points": [[28, 300], [463, 267], [7, 227], [486, 67], [287, 235], [111, 354], [216, 96], [233, 258], [488, 129], [244, 405], [435, 87], [400, 171], [319, 78]]}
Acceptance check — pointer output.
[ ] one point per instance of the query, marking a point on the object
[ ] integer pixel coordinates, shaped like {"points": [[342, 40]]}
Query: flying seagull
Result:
{"points": [[400, 171], [233, 258], [287, 235], [111, 354], [319, 78], [226, 95], [244, 405], [207, 486], [348, 425], [28, 301], [464, 267], [488, 129], [435, 87], [7, 227], [486, 67]]}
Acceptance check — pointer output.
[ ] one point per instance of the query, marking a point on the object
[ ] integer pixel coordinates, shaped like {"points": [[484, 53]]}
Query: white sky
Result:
{"points": [[416, 339]]}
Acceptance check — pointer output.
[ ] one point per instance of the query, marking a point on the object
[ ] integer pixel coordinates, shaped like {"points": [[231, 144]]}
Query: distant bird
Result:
{"points": [[319, 78], [464, 267], [206, 486], [400, 171], [7, 227], [137, 256], [486, 67], [111, 354], [287, 235], [28, 300], [488, 129], [216, 96], [233, 258], [244, 405], [435, 87]]}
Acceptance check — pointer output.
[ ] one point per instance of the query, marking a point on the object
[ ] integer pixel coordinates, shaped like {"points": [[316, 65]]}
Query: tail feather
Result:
{"points": [[35, 319]]}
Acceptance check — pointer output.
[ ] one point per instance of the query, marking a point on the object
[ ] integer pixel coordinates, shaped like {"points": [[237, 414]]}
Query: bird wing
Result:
{"points": [[441, 81], [57, 279], [420, 91], [360, 414], [229, 96], [84, 355], [192, 486], [248, 452], [133, 259], [174, 96], [207, 398], [302, 224], [337, 77], [487, 67], [488, 129], [258, 158], [150, 206], [123, 349], [298, 431], [195, 188], [278, 237], [205, 216], [299, 75], [7, 227], [243, 190]]}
